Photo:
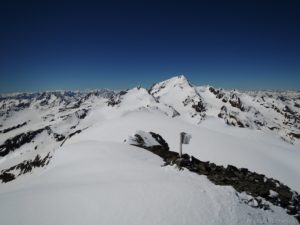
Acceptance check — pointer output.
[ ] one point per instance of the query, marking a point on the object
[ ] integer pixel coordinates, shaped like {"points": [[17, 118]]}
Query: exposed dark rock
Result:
{"points": [[282, 98], [22, 105], [116, 99], [13, 143], [81, 114], [294, 135], [223, 112], [196, 104], [175, 112], [7, 177], [71, 135], [276, 108], [259, 123], [225, 99], [24, 167], [160, 140], [243, 180], [288, 110], [44, 102], [199, 107], [273, 128], [13, 128], [58, 137], [236, 102], [214, 91]]}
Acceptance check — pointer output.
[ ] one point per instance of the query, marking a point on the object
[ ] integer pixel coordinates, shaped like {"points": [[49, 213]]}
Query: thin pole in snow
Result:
{"points": [[180, 145]]}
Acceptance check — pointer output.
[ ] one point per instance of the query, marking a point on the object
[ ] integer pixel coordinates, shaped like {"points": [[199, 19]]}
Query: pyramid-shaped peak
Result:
{"points": [[174, 81], [179, 78]]}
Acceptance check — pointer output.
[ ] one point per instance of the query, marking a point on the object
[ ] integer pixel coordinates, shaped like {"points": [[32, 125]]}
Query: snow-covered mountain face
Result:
{"points": [[34, 125], [257, 130], [275, 112]]}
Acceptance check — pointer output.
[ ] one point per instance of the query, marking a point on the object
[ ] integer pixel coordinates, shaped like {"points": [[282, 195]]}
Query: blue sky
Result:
{"points": [[50, 45]]}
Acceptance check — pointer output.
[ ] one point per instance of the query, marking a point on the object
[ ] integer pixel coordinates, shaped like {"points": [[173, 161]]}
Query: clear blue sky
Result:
{"points": [[48, 45]]}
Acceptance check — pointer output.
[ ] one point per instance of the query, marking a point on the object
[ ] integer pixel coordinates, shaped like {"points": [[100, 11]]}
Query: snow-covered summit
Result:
{"points": [[178, 93]]}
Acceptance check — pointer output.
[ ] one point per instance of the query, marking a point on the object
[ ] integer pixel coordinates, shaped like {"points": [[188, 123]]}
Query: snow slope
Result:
{"points": [[93, 182], [212, 141]]}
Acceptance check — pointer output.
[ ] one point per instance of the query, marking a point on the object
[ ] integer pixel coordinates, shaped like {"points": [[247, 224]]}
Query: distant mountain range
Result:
{"points": [[259, 130]]}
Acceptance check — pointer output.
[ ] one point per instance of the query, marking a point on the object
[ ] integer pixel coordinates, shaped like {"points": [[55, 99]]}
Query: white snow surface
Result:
{"points": [[94, 182], [96, 178]]}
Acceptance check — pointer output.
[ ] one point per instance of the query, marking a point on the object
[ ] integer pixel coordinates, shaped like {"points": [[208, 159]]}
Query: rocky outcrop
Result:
{"points": [[14, 143], [13, 128], [236, 102], [147, 140], [231, 118], [115, 100], [241, 179], [26, 166], [219, 93], [294, 135], [198, 104]]}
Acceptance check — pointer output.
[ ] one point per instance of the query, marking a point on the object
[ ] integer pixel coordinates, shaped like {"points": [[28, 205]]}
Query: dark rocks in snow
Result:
{"points": [[44, 103], [13, 128], [294, 135], [24, 167], [58, 137], [7, 177], [81, 114], [236, 102], [288, 110], [233, 99], [22, 106], [175, 112], [198, 104], [276, 108], [139, 139], [274, 128], [219, 93], [164, 145], [259, 123], [225, 99], [223, 112], [152, 91], [214, 91], [13, 143], [199, 107], [252, 183], [231, 118], [116, 99], [241, 179], [70, 135]]}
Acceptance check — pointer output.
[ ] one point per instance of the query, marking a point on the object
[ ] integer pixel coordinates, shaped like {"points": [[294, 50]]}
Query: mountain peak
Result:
{"points": [[180, 78], [180, 81]]}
